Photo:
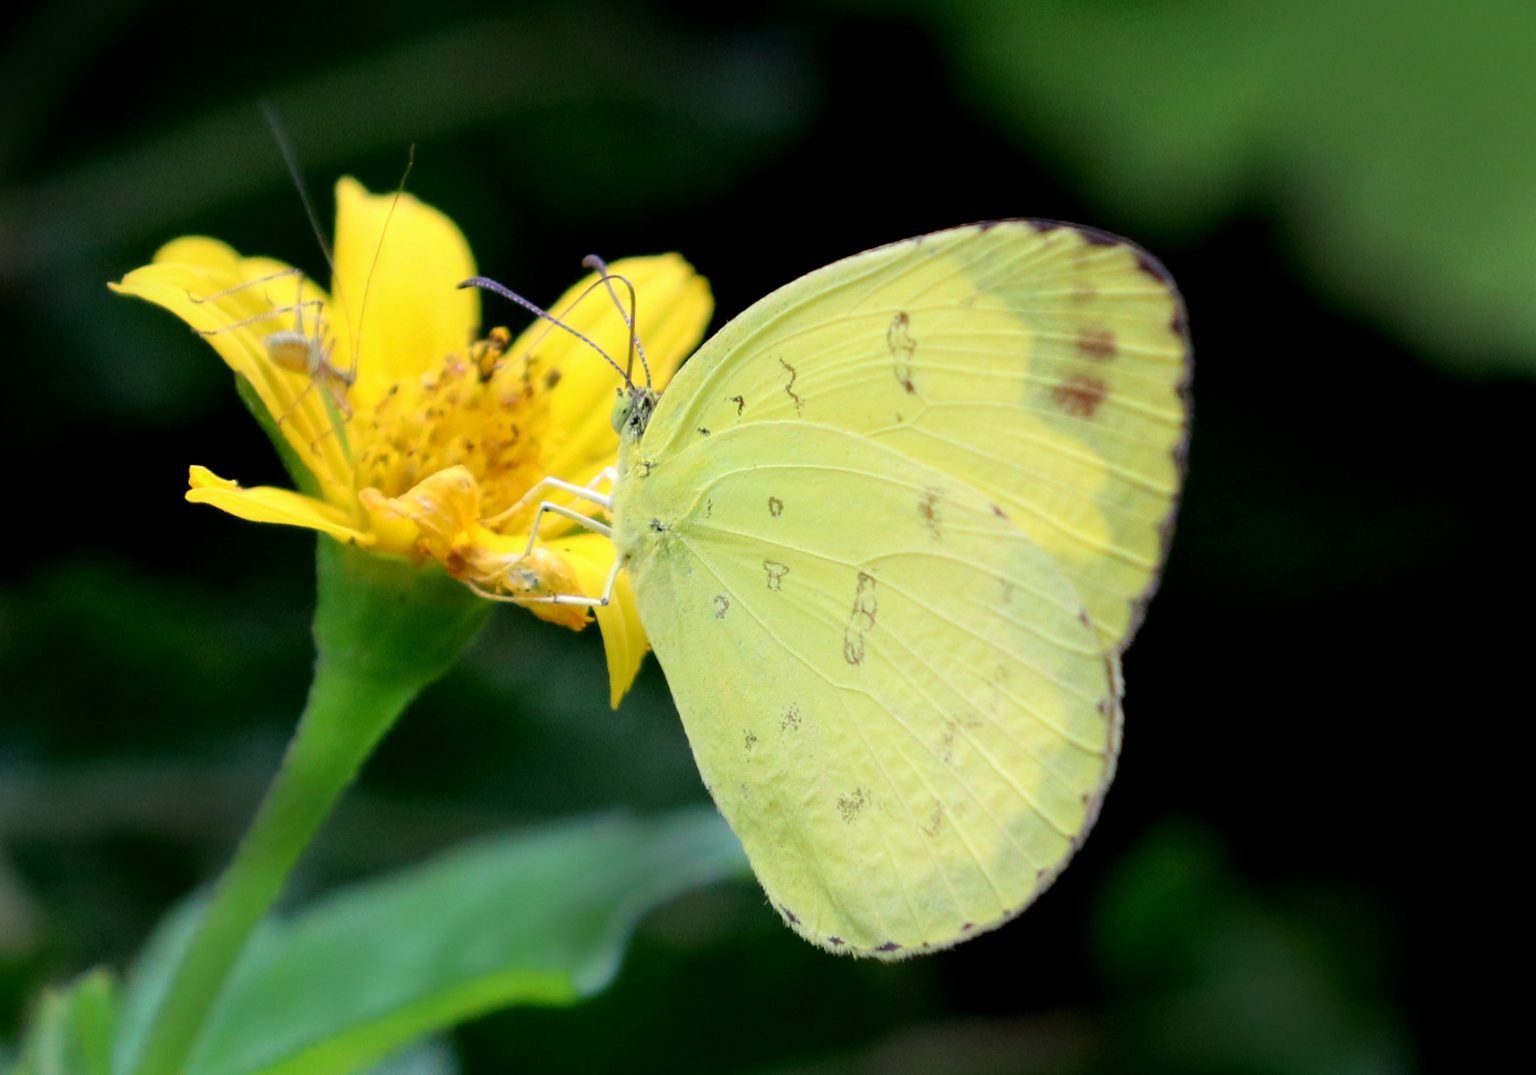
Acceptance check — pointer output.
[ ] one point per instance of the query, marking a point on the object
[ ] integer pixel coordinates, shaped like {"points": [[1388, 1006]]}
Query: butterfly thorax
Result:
{"points": [[631, 415]]}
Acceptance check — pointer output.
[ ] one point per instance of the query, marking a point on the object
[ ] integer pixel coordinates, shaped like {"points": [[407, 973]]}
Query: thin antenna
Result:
{"points": [[290, 159], [285, 147], [577, 301], [592, 261], [362, 311], [485, 283]]}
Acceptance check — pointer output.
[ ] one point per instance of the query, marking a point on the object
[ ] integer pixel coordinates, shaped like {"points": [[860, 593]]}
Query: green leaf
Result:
{"points": [[71, 1032], [540, 917]]}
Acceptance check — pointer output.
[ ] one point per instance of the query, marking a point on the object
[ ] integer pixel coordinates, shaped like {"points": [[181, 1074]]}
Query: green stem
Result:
{"points": [[383, 631]]}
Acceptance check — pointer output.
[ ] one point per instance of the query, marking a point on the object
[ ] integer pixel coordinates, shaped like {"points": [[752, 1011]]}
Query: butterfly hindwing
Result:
{"points": [[895, 697]]}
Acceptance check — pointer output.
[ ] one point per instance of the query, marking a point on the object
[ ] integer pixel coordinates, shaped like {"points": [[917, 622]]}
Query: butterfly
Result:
{"points": [[889, 532]]}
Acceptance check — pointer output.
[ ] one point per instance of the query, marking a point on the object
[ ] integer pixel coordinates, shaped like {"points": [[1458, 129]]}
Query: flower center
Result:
{"points": [[485, 410]]}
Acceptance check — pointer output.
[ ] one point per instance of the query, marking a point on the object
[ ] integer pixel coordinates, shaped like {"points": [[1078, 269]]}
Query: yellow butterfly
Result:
{"points": [[889, 532]]}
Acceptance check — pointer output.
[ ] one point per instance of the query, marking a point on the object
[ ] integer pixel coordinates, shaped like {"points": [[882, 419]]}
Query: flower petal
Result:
{"points": [[444, 508], [624, 640], [268, 504], [398, 266], [672, 308], [437, 517], [237, 304]]}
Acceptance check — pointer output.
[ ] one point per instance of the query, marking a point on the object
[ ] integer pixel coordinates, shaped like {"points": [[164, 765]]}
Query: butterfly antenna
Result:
{"points": [[577, 301], [592, 261], [485, 283]]}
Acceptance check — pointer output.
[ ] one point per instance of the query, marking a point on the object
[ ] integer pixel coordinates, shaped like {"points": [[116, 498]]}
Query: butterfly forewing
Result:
{"points": [[1044, 365]]}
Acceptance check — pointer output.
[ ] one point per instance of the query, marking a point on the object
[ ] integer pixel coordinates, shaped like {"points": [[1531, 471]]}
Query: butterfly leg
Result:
{"points": [[586, 492], [589, 493], [549, 508], [607, 474], [511, 572], [579, 599]]}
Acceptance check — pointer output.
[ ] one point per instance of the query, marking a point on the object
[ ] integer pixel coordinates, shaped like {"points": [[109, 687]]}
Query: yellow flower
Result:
{"points": [[410, 437]]}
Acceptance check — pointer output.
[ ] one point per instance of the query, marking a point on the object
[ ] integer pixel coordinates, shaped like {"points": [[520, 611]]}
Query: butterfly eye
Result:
{"points": [[632, 411], [621, 410]]}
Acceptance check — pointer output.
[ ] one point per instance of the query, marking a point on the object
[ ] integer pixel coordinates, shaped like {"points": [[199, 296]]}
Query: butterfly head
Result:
{"points": [[632, 411]]}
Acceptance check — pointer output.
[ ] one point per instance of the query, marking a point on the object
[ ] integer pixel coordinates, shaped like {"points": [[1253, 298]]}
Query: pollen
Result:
{"points": [[484, 410]]}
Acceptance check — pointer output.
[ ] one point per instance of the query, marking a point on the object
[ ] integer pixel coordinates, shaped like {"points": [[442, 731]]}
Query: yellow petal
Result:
{"points": [[398, 264], [673, 306], [267, 504], [445, 510], [624, 641], [392, 530], [185, 273]]}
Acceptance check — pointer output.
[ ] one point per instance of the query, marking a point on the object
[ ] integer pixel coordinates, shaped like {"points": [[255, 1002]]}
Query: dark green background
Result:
{"points": [[1304, 859]]}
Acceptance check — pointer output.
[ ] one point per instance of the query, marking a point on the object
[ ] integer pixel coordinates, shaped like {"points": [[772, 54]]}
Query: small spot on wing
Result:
{"points": [[776, 572], [850, 806], [928, 511], [1080, 395], [935, 823], [945, 751], [899, 341], [861, 620], [1097, 344], [789, 386]]}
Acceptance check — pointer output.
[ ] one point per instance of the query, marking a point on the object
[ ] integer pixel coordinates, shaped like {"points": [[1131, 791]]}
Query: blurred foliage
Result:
{"points": [[1211, 976], [72, 1033], [1344, 193], [1389, 139]]}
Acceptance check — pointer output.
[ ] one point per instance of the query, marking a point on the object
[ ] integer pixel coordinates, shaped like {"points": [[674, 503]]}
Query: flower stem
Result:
{"points": [[383, 631]]}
